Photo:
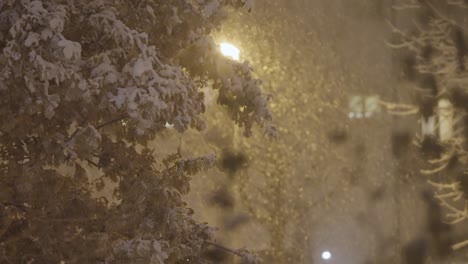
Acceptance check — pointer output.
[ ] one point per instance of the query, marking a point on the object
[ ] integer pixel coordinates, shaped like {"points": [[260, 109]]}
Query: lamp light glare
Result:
{"points": [[326, 255], [230, 51]]}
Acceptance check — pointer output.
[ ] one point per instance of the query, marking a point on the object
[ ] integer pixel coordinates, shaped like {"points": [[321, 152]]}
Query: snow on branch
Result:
{"points": [[90, 83], [447, 194]]}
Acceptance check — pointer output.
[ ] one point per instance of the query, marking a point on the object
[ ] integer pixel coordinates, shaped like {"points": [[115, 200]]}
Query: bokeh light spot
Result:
{"points": [[230, 51], [326, 255]]}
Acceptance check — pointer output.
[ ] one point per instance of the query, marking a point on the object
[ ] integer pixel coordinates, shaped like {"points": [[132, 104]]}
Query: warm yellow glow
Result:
{"points": [[230, 50]]}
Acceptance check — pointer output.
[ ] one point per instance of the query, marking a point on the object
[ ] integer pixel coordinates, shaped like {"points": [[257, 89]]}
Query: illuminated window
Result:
{"points": [[363, 106]]}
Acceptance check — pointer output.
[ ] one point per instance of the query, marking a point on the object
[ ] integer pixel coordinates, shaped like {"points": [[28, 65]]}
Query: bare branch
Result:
{"points": [[112, 121]]}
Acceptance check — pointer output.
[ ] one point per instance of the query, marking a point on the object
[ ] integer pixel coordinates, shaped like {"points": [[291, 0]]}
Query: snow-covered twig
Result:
{"points": [[448, 191], [399, 109], [119, 118], [247, 256], [458, 3], [411, 4], [460, 245]]}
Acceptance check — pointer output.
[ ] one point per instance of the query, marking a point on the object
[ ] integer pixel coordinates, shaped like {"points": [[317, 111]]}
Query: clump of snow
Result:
{"points": [[70, 49], [209, 160], [32, 39], [141, 66], [211, 8], [56, 24], [248, 4]]}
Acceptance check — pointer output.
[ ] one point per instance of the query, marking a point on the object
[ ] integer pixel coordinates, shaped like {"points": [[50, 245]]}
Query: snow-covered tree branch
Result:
{"points": [[87, 84]]}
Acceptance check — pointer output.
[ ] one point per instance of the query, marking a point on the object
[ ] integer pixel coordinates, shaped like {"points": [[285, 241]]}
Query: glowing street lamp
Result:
{"points": [[230, 51], [326, 255]]}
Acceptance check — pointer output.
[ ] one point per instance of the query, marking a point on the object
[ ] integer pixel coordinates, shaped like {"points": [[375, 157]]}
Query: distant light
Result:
{"points": [[351, 115], [230, 51], [326, 255]]}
